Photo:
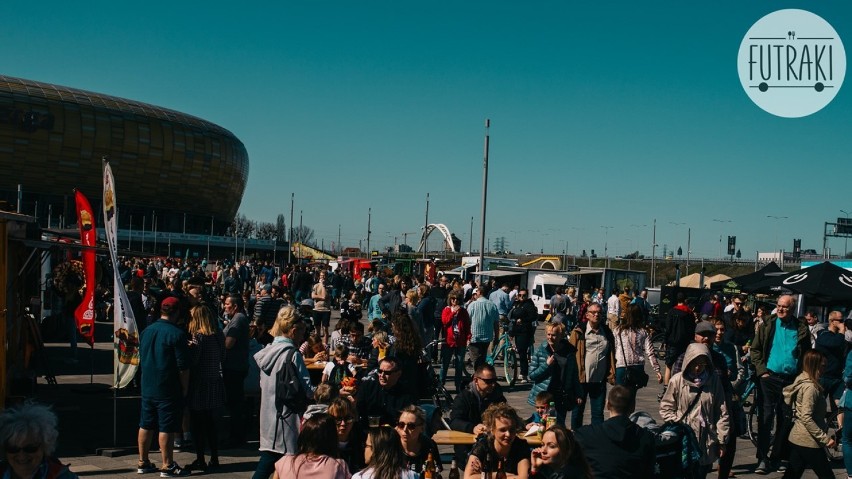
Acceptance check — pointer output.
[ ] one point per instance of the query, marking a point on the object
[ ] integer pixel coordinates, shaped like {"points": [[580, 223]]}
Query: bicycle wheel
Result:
{"points": [[510, 366], [835, 452], [752, 420]]}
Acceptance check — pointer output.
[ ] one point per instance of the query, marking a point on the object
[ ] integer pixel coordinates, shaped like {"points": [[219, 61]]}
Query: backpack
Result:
{"points": [[338, 373], [289, 389]]}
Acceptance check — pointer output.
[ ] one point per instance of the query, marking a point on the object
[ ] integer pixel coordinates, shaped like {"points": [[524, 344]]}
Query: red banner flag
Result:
{"points": [[85, 313]]}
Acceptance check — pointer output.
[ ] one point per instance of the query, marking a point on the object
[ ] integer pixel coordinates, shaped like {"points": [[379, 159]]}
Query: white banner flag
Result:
{"points": [[126, 339]]}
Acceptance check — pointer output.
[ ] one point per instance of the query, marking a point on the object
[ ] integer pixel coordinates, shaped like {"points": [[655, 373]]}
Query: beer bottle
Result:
{"points": [[454, 471], [429, 467]]}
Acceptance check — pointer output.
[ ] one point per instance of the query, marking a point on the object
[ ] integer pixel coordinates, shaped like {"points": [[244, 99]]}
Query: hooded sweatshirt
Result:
{"points": [[709, 416], [278, 435], [809, 412]]}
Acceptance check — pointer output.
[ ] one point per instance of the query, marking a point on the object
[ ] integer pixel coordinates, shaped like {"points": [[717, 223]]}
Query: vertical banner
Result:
{"points": [[126, 338], [85, 313]]}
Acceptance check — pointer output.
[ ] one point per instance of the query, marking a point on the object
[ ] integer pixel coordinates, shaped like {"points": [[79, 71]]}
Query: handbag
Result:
{"points": [[636, 379]]}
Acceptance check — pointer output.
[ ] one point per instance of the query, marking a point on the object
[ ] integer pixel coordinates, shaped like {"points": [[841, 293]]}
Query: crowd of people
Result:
{"points": [[219, 336]]}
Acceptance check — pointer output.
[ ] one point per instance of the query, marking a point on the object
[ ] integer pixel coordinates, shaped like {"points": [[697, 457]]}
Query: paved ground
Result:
{"points": [[86, 407]]}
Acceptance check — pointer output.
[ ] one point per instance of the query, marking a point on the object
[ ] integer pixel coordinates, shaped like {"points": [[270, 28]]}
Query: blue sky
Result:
{"points": [[603, 114]]}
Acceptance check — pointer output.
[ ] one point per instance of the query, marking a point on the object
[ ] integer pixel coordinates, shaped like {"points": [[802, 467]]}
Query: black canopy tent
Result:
{"points": [[824, 284], [736, 285]]}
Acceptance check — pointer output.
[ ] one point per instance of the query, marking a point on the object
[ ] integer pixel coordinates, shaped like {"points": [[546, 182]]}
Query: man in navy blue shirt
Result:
{"points": [[164, 359]]}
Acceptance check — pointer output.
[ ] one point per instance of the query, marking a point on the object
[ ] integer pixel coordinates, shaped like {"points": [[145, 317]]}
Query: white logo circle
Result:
{"points": [[791, 63]]}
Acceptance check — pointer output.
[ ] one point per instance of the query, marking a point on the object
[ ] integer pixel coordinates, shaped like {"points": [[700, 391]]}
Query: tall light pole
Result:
{"points": [[846, 240], [637, 234], [470, 240], [369, 219], [720, 236], [654, 254], [777, 219], [484, 197], [290, 239], [426, 226], [606, 243]]}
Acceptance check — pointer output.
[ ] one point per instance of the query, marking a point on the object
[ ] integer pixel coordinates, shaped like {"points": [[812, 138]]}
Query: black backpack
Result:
{"points": [[289, 389]]}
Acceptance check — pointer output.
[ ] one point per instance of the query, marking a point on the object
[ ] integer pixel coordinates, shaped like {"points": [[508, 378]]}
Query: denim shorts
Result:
{"points": [[164, 415]]}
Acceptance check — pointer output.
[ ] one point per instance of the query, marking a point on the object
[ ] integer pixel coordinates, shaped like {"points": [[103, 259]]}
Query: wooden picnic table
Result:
{"points": [[444, 437]]}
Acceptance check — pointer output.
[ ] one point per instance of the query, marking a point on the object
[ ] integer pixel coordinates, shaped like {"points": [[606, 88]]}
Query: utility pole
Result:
{"points": [[290, 239], [339, 249], [470, 241], [688, 247], [484, 197], [369, 220], [654, 254], [426, 227]]}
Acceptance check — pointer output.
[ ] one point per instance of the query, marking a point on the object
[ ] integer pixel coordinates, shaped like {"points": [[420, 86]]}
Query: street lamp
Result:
{"points": [[637, 235], [720, 236], [776, 218], [606, 243]]}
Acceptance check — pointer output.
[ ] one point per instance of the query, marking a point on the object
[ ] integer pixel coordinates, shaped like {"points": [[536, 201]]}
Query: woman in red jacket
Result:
{"points": [[456, 323]]}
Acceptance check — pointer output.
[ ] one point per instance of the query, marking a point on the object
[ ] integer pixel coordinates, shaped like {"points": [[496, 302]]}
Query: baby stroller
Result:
{"points": [[677, 450]]}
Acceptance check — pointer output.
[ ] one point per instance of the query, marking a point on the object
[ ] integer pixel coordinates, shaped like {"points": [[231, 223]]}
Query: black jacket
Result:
{"points": [[372, 400], [618, 448], [523, 315], [467, 413]]}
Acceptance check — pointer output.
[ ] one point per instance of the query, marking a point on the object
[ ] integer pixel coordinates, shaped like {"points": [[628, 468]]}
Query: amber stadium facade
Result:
{"points": [[174, 172]]}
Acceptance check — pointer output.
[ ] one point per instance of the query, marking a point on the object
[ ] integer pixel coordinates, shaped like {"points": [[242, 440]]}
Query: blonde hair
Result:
{"points": [[285, 321], [413, 296], [201, 321], [559, 328], [382, 337], [501, 410]]}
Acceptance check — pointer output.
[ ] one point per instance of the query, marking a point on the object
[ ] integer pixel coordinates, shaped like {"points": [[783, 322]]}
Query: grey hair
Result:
{"points": [[27, 422]]}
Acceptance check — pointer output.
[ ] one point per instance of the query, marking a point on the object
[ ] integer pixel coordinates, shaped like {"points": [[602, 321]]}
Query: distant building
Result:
{"points": [[176, 170]]}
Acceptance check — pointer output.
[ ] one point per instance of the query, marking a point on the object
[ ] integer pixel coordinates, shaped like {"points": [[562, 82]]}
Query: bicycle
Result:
{"points": [[506, 352], [435, 390]]}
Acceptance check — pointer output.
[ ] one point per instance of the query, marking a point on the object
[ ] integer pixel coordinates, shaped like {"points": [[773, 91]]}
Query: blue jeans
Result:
{"points": [[596, 394], [456, 355], [846, 440], [266, 464]]}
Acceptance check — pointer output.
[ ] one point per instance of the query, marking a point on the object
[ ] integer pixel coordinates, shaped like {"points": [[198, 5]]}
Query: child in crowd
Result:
{"points": [[339, 368], [322, 396], [542, 402]]}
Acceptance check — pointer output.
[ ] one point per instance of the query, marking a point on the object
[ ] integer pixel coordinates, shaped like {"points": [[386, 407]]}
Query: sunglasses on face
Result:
{"points": [[382, 372], [488, 380], [343, 420], [29, 448], [408, 426]]}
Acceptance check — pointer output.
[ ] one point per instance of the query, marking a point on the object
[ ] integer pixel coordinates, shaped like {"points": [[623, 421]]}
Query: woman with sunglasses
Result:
{"points": [[500, 450], [417, 446], [29, 434], [350, 436]]}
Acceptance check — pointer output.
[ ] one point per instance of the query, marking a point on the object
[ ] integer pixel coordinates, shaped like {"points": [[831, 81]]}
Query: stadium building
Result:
{"points": [[174, 173]]}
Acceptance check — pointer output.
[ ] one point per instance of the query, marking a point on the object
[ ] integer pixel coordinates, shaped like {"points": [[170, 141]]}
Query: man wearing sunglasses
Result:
{"points": [[466, 415], [385, 397]]}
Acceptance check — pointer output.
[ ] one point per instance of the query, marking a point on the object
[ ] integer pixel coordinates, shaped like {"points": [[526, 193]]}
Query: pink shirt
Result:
{"points": [[307, 467]]}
